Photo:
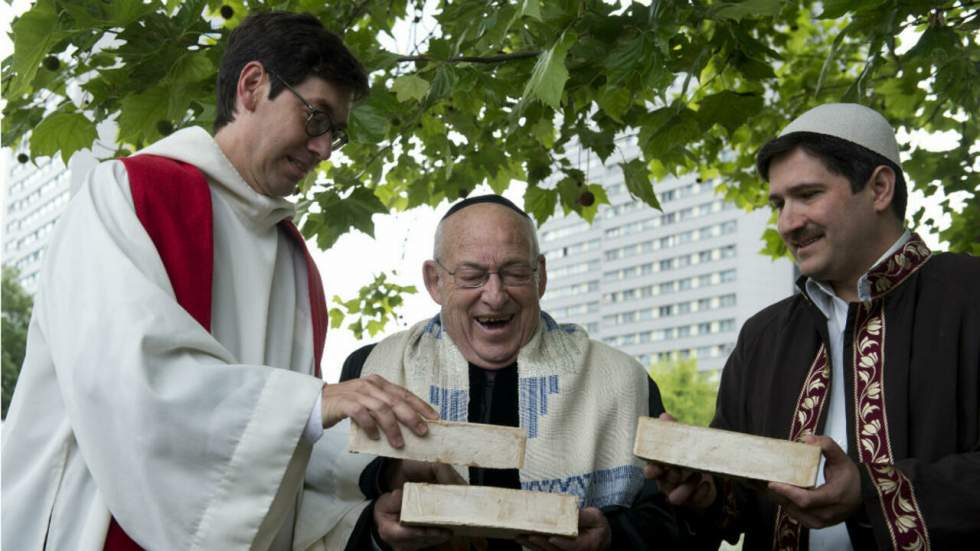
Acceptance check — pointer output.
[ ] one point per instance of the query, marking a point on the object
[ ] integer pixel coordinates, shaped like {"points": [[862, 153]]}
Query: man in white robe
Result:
{"points": [[128, 410]]}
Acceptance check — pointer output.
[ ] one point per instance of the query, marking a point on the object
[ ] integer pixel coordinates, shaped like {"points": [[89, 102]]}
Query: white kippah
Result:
{"points": [[852, 122]]}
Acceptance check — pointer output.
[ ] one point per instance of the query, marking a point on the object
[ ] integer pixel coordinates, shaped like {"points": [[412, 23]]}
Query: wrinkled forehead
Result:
{"points": [[487, 233]]}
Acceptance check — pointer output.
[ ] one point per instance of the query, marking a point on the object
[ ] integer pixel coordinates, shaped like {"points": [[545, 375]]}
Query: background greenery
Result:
{"points": [[16, 306], [689, 395]]}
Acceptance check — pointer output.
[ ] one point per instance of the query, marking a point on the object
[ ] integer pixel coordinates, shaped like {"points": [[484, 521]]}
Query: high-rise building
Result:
{"points": [[36, 195], [662, 285]]}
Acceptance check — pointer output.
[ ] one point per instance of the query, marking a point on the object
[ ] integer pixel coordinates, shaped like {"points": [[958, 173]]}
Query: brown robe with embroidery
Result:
{"points": [[913, 412]]}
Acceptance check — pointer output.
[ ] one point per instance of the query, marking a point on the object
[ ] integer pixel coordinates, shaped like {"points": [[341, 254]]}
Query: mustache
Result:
{"points": [[802, 234]]}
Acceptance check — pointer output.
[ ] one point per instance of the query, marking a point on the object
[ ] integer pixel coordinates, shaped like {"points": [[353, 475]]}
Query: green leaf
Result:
{"points": [[100, 14], [192, 67], [748, 9], [336, 316], [338, 215], [367, 124], [34, 33], [729, 109], [141, 113], [410, 86], [549, 75], [637, 180], [540, 202], [615, 101], [834, 9], [544, 131], [532, 8], [64, 132], [774, 244]]}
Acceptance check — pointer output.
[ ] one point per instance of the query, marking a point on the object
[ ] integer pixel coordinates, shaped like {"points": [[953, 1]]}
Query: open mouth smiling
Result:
{"points": [[494, 322]]}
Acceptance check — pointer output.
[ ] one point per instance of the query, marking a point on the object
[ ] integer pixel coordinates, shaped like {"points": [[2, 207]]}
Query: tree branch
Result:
{"points": [[474, 59]]}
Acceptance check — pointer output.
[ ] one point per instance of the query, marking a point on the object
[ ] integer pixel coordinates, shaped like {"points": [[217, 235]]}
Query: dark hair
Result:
{"points": [[848, 159], [294, 46]]}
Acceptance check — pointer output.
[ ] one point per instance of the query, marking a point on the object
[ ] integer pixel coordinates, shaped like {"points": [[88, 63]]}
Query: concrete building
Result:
{"points": [[662, 285], [36, 196]]}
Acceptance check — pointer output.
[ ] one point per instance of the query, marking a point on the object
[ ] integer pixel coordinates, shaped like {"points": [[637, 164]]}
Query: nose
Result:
{"points": [[493, 293], [790, 219], [321, 146]]}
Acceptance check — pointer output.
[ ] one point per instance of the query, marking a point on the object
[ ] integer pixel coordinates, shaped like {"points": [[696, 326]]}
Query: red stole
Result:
{"points": [[173, 202]]}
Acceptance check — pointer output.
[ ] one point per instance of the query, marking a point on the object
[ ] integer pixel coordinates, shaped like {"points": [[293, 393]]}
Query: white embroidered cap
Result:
{"points": [[852, 122]]}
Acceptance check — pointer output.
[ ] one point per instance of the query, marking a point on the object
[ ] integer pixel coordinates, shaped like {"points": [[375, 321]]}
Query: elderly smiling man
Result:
{"points": [[492, 356]]}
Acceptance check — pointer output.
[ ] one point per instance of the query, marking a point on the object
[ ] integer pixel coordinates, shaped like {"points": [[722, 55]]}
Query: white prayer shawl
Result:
{"points": [[126, 404], [579, 400]]}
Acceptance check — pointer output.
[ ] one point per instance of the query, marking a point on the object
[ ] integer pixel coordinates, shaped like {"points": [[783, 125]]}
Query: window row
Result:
{"points": [[710, 351], [39, 233], [576, 289], [574, 269], [56, 203], [689, 236], [668, 218], [669, 310], [673, 263], [35, 196], [672, 286], [577, 248], [569, 313], [29, 259], [669, 333], [681, 192], [558, 233]]}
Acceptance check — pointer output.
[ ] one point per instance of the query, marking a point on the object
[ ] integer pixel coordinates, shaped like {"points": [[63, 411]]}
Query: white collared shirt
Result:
{"points": [[834, 309]]}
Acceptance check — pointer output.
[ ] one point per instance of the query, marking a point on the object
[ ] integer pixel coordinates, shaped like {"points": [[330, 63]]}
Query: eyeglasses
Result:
{"points": [[470, 277], [318, 122]]}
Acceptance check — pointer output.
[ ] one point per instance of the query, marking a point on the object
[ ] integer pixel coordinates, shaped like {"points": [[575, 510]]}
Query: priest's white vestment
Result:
{"points": [[125, 404]]}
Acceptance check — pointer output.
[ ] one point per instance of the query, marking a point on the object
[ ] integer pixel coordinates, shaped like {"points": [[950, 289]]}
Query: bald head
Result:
{"points": [[469, 221]]}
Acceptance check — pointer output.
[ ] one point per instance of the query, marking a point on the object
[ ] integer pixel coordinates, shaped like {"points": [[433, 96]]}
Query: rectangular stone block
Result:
{"points": [[727, 453], [483, 511], [455, 443]]}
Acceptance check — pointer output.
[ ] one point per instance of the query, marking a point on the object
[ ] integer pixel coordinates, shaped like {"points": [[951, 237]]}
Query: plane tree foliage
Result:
{"points": [[16, 306], [496, 92]]}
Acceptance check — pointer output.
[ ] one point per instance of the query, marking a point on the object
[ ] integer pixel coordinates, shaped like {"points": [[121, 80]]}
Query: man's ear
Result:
{"points": [[542, 276], [882, 184], [250, 85], [430, 274]]}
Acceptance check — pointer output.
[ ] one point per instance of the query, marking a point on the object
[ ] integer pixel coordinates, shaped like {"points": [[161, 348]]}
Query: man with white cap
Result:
{"points": [[878, 354]]}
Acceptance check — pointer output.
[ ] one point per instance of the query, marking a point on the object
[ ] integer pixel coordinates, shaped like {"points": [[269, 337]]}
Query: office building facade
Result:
{"points": [[664, 285], [37, 194]]}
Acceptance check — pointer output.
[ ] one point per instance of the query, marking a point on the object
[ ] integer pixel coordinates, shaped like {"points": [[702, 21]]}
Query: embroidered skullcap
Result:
{"points": [[851, 122], [490, 198]]}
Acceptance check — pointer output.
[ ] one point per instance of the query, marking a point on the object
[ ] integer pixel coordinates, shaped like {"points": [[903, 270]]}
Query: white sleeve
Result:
{"points": [[314, 425], [187, 447]]}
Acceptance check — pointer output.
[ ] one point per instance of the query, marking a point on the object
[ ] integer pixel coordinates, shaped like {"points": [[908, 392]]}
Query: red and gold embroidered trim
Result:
{"points": [[809, 407], [898, 267], [899, 506]]}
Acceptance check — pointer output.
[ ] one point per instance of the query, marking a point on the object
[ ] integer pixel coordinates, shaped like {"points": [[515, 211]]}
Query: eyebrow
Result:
{"points": [[796, 188]]}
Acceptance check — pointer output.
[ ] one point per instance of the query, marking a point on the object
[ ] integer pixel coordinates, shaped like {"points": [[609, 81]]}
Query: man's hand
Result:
{"points": [[387, 512], [593, 535], [683, 487], [400, 471], [831, 503], [373, 403]]}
